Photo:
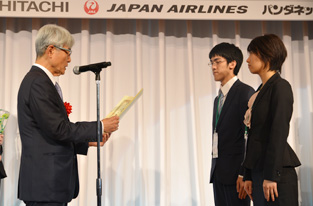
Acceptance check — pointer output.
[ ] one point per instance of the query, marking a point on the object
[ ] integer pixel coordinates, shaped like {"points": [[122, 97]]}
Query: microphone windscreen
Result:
{"points": [[76, 70]]}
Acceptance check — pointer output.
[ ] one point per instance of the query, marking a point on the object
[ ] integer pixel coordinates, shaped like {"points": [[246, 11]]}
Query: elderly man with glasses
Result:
{"points": [[50, 141]]}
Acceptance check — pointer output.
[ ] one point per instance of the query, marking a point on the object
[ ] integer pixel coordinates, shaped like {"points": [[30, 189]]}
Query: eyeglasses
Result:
{"points": [[215, 63], [68, 51]]}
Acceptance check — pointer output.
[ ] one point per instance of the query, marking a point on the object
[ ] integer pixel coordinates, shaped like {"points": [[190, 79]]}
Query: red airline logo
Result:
{"points": [[91, 7]]}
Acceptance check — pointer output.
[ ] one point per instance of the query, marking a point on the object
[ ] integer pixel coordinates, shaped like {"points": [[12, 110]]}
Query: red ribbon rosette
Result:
{"points": [[68, 108]]}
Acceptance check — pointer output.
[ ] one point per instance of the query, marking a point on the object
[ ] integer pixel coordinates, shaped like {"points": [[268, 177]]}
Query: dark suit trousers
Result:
{"points": [[287, 189], [44, 204], [226, 195]]}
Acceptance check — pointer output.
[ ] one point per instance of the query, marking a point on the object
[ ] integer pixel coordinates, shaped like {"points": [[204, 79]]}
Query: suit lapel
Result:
{"points": [[56, 94], [229, 98], [214, 111], [265, 88]]}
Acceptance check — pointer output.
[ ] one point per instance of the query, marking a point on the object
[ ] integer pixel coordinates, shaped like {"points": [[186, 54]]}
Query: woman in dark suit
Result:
{"points": [[270, 162]]}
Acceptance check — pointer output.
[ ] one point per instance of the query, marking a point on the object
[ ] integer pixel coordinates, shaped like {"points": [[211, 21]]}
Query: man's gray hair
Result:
{"points": [[52, 34]]}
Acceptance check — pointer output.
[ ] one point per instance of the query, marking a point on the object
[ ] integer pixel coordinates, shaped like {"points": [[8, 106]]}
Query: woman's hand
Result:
{"points": [[270, 190]]}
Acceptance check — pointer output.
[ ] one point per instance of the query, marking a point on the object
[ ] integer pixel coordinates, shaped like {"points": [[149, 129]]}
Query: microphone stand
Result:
{"points": [[97, 69], [99, 180]]}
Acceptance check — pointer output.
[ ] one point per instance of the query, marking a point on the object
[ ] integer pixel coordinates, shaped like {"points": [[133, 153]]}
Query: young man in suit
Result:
{"points": [[228, 144], [50, 142]]}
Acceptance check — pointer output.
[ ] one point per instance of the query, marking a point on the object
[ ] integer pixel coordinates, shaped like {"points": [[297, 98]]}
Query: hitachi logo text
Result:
{"points": [[43, 6]]}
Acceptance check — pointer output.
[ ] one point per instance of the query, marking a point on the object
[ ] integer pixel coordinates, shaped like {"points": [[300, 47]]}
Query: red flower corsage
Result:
{"points": [[68, 108]]}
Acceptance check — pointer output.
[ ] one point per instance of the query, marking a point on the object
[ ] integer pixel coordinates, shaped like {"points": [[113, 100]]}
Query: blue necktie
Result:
{"points": [[58, 88]]}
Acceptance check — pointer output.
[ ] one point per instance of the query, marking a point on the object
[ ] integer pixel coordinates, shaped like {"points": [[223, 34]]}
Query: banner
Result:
{"points": [[160, 9]]}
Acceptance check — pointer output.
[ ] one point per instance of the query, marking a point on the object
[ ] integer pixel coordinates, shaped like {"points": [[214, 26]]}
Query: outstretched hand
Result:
{"points": [[110, 124]]}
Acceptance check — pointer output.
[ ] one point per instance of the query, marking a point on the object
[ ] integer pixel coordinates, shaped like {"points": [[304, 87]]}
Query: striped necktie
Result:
{"points": [[58, 88], [220, 101]]}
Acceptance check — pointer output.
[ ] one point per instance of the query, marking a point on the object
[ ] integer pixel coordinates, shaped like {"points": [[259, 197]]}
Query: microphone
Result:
{"points": [[97, 67]]}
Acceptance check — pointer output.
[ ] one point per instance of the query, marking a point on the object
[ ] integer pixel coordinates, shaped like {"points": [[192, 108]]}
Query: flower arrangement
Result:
{"points": [[68, 108], [4, 116]]}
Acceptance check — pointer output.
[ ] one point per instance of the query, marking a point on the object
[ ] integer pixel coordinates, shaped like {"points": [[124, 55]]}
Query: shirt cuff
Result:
{"points": [[102, 127]]}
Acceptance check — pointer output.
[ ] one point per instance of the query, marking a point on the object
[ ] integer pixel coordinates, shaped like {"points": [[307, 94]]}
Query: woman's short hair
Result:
{"points": [[52, 34], [270, 49]]}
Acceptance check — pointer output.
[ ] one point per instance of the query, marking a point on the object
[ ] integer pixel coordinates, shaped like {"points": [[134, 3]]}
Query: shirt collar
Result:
{"points": [[225, 89], [51, 77]]}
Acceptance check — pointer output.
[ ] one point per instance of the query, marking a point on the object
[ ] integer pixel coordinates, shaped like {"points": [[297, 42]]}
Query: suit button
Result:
{"points": [[278, 173]]}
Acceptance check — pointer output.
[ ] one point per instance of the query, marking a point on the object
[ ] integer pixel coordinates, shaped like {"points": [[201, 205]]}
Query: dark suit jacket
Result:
{"points": [[2, 171], [50, 142], [267, 147], [230, 129]]}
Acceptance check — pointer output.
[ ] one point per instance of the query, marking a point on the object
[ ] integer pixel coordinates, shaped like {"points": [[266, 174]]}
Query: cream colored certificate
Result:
{"points": [[123, 106]]}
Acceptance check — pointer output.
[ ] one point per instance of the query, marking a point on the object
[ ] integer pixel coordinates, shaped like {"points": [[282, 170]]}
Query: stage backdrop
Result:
{"points": [[161, 154]]}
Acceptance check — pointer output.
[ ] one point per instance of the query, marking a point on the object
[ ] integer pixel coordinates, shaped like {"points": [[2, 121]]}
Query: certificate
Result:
{"points": [[123, 106]]}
